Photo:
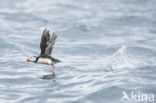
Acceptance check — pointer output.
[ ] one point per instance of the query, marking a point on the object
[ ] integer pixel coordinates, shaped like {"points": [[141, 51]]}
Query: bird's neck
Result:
{"points": [[37, 59]]}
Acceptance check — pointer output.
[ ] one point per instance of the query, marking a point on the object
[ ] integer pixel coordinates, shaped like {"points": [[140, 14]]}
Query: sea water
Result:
{"points": [[107, 50]]}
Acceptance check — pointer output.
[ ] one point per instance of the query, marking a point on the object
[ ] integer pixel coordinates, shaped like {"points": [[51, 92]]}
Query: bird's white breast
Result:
{"points": [[45, 61]]}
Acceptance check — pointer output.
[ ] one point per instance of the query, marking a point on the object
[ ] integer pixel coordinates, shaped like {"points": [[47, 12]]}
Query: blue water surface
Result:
{"points": [[106, 47]]}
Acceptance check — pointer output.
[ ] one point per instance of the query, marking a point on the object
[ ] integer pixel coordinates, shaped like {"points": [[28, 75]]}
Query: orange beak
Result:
{"points": [[28, 60]]}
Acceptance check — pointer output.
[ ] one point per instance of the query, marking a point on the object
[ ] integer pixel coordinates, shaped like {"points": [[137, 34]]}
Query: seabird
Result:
{"points": [[46, 46]]}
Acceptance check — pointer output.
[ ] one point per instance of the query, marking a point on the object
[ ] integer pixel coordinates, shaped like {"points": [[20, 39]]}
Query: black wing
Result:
{"points": [[51, 44], [44, 41]]}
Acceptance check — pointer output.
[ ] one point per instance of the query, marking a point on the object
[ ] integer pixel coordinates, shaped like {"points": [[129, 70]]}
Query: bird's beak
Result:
{"points": [[28, 60]]}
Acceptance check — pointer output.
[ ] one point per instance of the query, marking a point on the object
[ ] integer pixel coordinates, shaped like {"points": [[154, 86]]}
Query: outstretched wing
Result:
{"points": [[44, 41], [51, 44]]}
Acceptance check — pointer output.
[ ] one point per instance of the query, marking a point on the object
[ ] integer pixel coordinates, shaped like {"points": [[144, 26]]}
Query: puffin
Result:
{"points": [[46, 46]]}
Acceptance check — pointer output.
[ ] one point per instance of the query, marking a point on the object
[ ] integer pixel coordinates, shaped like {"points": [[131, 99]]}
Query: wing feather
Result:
{"points": [[44, 41], [51, 44]]}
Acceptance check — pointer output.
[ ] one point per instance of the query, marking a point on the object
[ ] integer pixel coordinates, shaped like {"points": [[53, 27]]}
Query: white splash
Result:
{"points": [[118, 60]]}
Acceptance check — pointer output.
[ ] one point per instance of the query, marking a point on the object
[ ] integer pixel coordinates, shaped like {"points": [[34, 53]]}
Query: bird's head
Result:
{"points": [[31, 59]]}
